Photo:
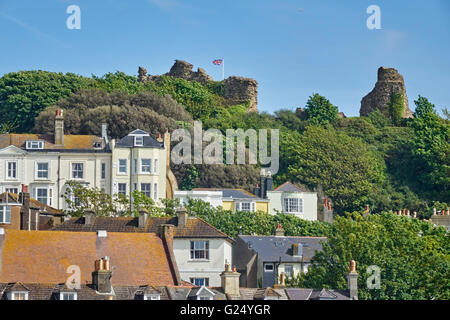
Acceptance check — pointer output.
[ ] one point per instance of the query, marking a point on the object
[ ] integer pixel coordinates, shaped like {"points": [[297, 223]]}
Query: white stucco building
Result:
{"points": [[292, 199]]}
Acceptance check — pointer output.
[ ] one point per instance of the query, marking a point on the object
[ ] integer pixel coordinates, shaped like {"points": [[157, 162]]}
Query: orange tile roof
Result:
{"points": [[43, 257], [70, 141]]}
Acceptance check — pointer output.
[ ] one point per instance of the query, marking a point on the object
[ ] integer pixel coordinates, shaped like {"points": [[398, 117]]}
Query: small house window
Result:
{"points": [[5, 214], [289, 270], [139, 141], [19, 295], [12, 190], [11, 169], [200, 282], [44, 195], [42, 170], [35, 145], [146, 189], [146, 165], [103, 170], [68, 296], [122, 165], [293, 205], [200, 250], [77, 170], [152, 297], [268, 267], [122, 188]]}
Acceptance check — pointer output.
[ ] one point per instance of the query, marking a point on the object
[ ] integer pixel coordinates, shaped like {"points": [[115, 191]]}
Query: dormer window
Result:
{"points": [[138, 141], [34, 145], [18, 295], [67, 296], [152, 297]]}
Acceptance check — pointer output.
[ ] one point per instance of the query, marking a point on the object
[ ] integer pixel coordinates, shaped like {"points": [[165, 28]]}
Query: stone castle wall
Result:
{"points": [[237, 90]]}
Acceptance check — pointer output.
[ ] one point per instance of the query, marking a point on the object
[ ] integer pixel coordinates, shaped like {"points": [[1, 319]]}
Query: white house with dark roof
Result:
{"points": [[293, 199]]}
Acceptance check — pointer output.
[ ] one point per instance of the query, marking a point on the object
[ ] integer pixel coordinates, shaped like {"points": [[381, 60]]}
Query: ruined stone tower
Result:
{"points": [[389, 81]]}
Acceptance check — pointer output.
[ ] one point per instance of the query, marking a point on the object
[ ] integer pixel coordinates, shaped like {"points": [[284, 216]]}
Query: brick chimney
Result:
{"points": [[279, 231], [26, 218], [282, 283], [101, 277], [353, 281], [230, 281], [269, 183], [59, 127], [166, 234], [88, 217], [262, 183], [167, 147], [143, 215], [182, 217]]}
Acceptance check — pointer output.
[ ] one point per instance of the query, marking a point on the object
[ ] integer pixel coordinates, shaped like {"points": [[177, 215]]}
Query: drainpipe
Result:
{"points": [[277, 264], [57, 180]]}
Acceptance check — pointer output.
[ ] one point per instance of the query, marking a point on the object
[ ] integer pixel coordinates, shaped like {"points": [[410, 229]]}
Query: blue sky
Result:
{"points": [[325, 47]]}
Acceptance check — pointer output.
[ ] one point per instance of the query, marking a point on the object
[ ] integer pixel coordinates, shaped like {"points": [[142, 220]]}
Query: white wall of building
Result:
{"points": [[219, 253], [212, 197], [309, 200]]}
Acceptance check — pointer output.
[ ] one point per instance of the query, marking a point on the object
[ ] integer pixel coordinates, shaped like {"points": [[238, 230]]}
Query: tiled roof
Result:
{"points": [[272, 248], [195, 227], [71, 142], [12, 197], [43, 257], [316, 294], [290, 187]]}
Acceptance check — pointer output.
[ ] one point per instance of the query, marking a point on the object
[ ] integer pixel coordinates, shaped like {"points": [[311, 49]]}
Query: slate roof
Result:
{"points": [[43, 257], [71, 142], [232, 193], [149, 142], [12, 197], [272, 248], [195, 227], [290, 187], [45, 291], [316, 294]]}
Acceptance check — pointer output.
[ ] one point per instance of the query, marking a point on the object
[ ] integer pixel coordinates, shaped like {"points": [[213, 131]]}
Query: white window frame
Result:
{"points": [[292, 270], [149, 195], [205, 281], [288, 205], [118, 188], [8, 176], [252, 206], [5, 211], [72, 170], [269, 264], [140, 142], [37, 170], [206, 248], [13, 295], [35, 145], [149, 166], [152, 297], [74, 294], [15, 191], [119, 166], [155, 166], [49, 194], [103, 171]]}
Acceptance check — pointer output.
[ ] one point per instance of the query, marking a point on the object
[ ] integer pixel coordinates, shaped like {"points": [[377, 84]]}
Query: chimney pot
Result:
{"points": [[353, 281], [101, 276], [88, 217], [230, 281], [279, 231], [59, 128]]}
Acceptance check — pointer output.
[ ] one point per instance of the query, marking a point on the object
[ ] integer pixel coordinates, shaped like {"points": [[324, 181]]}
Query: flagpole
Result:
{"points": [[223, 69]]}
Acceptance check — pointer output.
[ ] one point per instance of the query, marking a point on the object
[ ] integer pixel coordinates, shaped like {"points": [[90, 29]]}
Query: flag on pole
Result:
{"points": [[217, 62]]}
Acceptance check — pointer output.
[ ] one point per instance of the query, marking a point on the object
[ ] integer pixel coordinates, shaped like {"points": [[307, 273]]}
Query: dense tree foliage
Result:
{"points": [[319, 110], [413, 257]]}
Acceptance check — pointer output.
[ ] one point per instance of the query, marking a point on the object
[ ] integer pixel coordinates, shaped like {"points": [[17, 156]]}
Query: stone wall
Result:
{"points": [[237, 90], [389, 81]]}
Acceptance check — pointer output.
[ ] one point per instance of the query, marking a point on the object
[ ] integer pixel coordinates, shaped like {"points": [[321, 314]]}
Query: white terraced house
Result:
{"points": [[47, 162]]}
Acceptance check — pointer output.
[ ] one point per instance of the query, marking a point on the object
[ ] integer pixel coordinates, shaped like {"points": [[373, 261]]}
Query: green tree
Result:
{"points": [[396, 108], [432, 148], [320, 111], [189, 181], [413, 257], [349, 171]]}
